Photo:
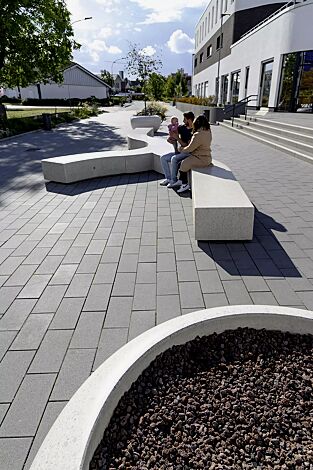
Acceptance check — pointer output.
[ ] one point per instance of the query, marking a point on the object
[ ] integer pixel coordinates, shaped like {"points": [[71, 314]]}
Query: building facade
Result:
{"points": [[78, 83], [255, 47]]}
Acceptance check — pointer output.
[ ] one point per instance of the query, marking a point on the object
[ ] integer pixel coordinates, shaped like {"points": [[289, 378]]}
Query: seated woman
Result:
{"points": [[199, 149]]}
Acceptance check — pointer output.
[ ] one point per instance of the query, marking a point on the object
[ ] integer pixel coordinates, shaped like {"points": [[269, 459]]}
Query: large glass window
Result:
{"points": [[266, 80], [235, 87], [296, 86], [224, 89]]}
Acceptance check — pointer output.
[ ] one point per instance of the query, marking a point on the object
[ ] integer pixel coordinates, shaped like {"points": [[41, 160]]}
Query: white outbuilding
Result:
{"points": [[78, 83]]}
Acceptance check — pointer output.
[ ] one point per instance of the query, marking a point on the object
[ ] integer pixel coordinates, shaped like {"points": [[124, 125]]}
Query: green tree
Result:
{"points": [[141, 65], [36, 41], [107, 77], [170, 87], [156, 85]]}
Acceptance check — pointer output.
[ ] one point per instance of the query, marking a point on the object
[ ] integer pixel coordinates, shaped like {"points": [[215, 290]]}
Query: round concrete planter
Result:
{"points": [[73, 438], [146, 121]]}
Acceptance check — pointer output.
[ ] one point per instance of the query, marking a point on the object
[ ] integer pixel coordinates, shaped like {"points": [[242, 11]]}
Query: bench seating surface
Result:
{"points": [[221, 208]]}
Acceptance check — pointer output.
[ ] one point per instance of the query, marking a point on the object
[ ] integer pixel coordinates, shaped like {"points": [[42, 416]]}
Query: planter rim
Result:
{"points": [[72, 440]]}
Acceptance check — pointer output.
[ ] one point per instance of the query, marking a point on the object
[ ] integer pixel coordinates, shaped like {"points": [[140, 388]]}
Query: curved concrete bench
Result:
{"points": [[146, 121], [221, 208], [78, 430], [143, 155]]}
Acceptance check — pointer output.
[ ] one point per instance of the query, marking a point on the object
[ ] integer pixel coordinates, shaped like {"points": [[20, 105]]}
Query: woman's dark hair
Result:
{"points": [[201, 122], [189, 115]]}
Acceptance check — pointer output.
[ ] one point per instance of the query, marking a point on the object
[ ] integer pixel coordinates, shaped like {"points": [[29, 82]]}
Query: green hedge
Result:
{"points": [[209, 101]]}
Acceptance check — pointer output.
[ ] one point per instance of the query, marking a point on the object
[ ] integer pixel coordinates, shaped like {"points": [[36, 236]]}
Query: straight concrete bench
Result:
{"points": [[143, 155], [221, 208]]}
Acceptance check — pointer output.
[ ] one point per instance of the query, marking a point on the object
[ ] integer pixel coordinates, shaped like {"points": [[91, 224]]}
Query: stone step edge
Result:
{"points": [[310, 129], [294, 153], [265, 127]]}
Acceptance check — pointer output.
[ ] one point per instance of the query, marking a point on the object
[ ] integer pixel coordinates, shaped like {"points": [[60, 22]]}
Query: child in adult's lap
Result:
{"points": [[173, 129]]}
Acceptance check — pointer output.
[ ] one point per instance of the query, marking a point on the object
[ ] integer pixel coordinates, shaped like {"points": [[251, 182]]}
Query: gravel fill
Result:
{"points": [[238, 400]]}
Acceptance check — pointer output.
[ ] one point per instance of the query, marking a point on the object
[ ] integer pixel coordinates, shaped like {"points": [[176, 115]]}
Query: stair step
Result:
{"points": [[296, 145], [281, 125], [295, 136], [288, 150]]}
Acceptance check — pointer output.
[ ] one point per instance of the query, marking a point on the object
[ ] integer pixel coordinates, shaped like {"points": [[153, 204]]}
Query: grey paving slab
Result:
{"points": [[166, 262], [210, 282], [128, 263], [67, 314], [51, 413], [49, 265], [263, 298], [111, 254], [255, 284], [146, 273], [21, 420], [236, 292], [13, 452], [215, 300], [35, 286], [167, 283], [75, 369], [187, 271], [119, 312], [10, 265], [98, 297], [283, 293], [204, 261], [145, 297], [141, 322], [74, 255], [124, 284], [15, 316], [168, 307], [88, 330], [7, 296], [64, 274], [3, 410], [190, 295], [110, 341], [32, 332], [6, 339], [79, 286], [147, 254], [50, 300], [50, 354], [13, 367], [105, 273]]}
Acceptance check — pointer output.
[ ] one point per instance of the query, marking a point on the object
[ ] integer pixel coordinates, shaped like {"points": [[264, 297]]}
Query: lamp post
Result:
{"points": [[82, 19], [218, 88]]}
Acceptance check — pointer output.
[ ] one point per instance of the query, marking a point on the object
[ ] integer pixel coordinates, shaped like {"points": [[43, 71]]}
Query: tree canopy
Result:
{"points": [[36, 41], [107, 77]]}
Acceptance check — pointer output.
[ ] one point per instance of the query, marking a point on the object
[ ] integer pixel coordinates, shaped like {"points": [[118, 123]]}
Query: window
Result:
{"points": [[209, 22], [196, 62], [219, 42], [209, 51], [201, 57], [216, 12], [212, 17]]}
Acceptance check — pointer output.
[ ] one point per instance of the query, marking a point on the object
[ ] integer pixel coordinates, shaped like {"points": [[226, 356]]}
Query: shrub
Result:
{"points": [[85, 111], [209, 101], [152, 109]]}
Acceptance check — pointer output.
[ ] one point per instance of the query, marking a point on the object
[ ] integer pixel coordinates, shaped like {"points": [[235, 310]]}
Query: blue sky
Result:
{"points": [[163, 27]]}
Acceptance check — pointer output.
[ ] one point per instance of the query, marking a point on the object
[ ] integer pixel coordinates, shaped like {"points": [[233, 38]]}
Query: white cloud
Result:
{"points": [[148, 50], [105, 32], [97, 46], [138, 29], [179, 42], [165, 12]]}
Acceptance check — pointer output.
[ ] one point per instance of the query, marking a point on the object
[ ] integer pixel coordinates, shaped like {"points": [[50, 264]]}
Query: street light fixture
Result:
{"points": [[82, 19], [218, 88]]}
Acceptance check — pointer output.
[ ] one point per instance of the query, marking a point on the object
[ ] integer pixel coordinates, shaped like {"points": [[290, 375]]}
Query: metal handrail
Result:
{"points": [[287, 5], [245, 100]]}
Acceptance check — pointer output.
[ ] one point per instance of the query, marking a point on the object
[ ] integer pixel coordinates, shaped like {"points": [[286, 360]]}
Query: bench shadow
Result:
{"points": [[263, 256], [21, 157], [74, 189]]}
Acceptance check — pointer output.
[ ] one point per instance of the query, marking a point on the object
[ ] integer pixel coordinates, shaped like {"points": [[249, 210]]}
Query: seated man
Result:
{"points": [[170, 161]]}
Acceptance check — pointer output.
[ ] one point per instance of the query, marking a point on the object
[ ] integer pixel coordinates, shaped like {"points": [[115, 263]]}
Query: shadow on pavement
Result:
{"points": [[20, 158]]}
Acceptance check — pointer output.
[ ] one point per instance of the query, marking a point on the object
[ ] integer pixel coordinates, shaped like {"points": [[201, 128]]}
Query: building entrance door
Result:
{"points": [[224, 89], [266, 80], [235, 87]]}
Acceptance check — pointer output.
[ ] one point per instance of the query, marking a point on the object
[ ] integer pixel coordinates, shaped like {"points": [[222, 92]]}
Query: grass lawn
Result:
{"points": [[33, 112]]}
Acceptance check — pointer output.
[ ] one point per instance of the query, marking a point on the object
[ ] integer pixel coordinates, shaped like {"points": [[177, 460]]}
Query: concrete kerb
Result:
{"points": [[73, 438]]}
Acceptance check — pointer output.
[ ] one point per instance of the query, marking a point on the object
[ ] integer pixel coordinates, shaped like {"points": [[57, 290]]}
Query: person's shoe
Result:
{"points": [[164, 182], [175, 184], [183, 188]]}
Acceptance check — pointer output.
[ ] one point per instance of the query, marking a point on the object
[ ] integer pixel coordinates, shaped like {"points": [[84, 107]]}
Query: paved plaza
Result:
{"points": [[86, 267]]}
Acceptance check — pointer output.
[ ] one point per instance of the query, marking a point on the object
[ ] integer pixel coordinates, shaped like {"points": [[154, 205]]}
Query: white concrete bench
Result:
{"points": [[143, 155], [221, 208]]}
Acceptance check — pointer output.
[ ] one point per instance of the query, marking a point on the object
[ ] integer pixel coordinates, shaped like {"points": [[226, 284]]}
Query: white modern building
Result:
{"points": [[78, 83], [255, 47]]}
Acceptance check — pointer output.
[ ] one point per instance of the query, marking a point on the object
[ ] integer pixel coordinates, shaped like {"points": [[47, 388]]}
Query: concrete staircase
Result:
{"points": [[292, 139]]}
